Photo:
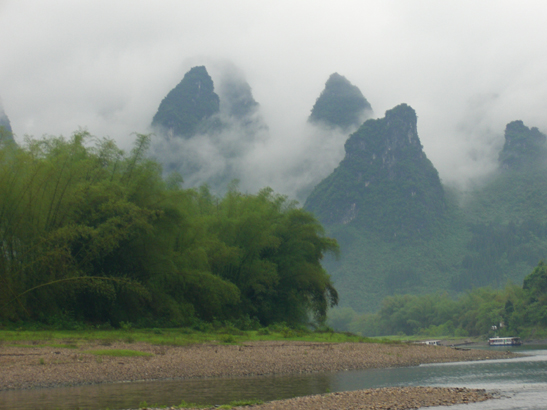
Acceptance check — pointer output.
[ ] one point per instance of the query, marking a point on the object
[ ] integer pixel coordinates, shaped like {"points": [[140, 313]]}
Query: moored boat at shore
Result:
{"points": [[504, 341]]}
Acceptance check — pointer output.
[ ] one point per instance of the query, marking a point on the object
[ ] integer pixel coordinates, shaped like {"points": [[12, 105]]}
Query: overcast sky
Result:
{"points": [[466, 67]]}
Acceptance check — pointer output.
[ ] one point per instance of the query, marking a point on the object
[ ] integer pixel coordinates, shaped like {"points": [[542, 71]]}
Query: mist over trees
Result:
{"points": [[96, 235]]}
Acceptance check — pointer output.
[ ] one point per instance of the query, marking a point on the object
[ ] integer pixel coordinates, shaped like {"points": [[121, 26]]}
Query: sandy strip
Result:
{"points": [[392, 398], [28, 367]]}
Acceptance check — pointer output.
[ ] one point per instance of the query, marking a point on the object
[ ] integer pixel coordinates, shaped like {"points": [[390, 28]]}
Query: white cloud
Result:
{"points": [[107, 65]]}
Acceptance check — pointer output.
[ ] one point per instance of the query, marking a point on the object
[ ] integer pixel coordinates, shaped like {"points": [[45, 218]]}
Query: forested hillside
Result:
{"points": [[402, 232], [507, 215], [385, 184], [515, 310], [93, 234], [398, 229]]}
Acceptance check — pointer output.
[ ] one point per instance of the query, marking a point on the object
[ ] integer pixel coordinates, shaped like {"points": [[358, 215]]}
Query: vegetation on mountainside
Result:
{"points": [[402, 232], [513, 311], [341, 104], [507, 216], [90, 233], [385, 184], [186, 108]]}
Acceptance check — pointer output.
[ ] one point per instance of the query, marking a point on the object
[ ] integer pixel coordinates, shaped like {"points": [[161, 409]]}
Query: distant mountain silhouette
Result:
{"points": [[185, 110], [341, 104]]}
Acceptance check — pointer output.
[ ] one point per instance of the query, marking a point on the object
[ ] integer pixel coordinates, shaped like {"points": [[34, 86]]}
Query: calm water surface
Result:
{"points": [[522, 383]]}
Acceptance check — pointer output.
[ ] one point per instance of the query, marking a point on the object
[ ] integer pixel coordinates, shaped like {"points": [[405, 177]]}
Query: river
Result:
{"points": [[521, 383]]}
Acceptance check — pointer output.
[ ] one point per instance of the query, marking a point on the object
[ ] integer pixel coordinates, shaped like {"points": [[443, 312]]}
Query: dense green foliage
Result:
{"points": [[341, 104], [512, 310], [186, 108], [90, 233]]}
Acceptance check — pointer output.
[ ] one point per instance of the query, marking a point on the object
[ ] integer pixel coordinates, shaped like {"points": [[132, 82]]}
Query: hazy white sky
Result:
{"points": [[466, 67]]}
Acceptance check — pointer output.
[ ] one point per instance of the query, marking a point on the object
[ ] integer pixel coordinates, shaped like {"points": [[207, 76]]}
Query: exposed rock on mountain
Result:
{"points": [[385, 182], [524, 147], [341, 104], [185, 110]]}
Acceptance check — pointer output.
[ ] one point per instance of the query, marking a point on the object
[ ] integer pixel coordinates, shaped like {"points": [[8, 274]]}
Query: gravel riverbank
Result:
{"points": [[392, 398], [29, 367]]}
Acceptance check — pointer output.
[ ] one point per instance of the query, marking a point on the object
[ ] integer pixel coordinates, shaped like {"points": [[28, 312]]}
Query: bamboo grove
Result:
{"points": [[92, 233]]}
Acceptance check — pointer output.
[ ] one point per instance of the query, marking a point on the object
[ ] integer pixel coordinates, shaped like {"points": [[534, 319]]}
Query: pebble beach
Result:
{"points": [[32, 367]]}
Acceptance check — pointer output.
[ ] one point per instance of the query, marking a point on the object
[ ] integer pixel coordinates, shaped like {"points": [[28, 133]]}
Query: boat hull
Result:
{"points": [[504, 341]]}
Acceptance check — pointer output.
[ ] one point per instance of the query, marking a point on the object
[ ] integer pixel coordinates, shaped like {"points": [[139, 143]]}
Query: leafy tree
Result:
{"points": [[101, 236]]}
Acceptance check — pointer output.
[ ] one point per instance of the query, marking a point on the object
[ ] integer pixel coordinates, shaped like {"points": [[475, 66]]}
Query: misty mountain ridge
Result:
{"points": [[340, 104], [401, 231], [189, 105], [203, 135], [524, 147], [214, 146]]}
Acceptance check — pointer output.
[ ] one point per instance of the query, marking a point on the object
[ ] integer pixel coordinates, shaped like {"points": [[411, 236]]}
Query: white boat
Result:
{"points": [[431, 342], [504, 341]]}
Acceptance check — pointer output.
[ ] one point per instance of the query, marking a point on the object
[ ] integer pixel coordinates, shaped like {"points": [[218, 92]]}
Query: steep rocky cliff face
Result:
{"points": [[187, 107], [341, 104], [385, 183]]}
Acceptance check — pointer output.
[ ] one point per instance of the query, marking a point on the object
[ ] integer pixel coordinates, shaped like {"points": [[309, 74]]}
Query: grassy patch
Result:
{"points": [[118, 353], [170, 337]]}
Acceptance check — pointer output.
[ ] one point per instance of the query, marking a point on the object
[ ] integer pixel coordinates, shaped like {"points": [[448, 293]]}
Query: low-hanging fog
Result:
{"points": [[467, 68]]}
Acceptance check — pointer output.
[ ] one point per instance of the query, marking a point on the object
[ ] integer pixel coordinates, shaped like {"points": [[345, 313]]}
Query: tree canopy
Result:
{"points": [[91, 232]]}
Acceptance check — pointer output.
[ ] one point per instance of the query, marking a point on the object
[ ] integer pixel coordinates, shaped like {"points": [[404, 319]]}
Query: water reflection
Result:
{"points": [[202, 391]]}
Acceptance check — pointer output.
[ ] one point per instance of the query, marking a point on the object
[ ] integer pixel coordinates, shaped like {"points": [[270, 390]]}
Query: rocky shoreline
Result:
{"points": [[392, 398], [26, 367]]}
